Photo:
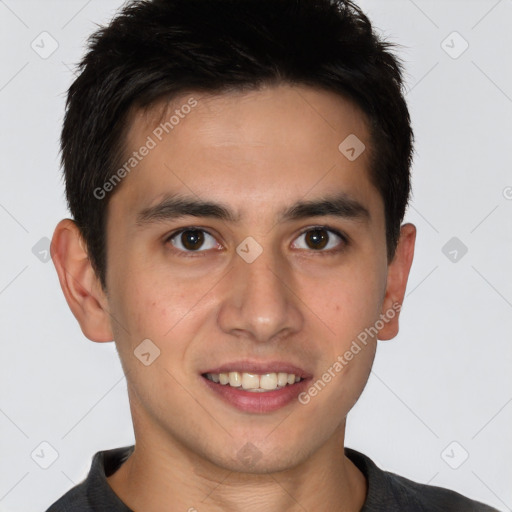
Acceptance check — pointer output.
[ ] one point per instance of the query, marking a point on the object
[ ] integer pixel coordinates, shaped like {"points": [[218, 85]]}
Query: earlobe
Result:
{"points": [[398, 274], [79, 282]]}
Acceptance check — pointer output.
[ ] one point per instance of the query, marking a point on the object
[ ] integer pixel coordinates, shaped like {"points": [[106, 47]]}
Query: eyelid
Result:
{"points": [[326, 227], [345, 239], [177, 232]]}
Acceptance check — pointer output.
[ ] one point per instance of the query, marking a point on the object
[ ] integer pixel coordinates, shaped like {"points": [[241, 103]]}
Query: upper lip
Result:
{"points": [[260, 367]]}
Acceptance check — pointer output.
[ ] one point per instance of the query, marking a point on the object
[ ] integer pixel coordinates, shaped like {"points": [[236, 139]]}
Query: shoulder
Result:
{"points": [[389, 492], [75, 500], [431, 498], [94, 493]]}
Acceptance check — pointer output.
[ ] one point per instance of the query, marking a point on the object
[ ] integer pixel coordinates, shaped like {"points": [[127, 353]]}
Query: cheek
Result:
{"points": [[352, 300], [139, 310], [143, 298], [159, 309]]}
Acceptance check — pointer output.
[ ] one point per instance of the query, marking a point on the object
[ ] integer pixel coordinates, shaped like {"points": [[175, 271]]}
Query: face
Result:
{"points": [[246, 283]]}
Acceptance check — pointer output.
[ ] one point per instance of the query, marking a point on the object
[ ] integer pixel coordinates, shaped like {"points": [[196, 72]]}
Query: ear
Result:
{"points": [[398, 273], [81, 286]]}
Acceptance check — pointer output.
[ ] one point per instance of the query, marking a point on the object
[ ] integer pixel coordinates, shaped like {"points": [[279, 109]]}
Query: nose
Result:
{"points": [[260, 302]]}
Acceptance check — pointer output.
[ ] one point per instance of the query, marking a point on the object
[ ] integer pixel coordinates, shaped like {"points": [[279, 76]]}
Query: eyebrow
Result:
{"points": [[177, 206]]}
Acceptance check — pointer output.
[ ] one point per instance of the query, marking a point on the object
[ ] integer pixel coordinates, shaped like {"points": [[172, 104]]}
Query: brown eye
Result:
{"points": [[321, 239], [317, 238], [192, 240]]}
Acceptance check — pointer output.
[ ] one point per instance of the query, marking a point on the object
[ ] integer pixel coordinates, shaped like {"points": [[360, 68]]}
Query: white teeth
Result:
{"points": [[250, 381], [254, 382], [282, 379], [268, 381], [235, 380]]}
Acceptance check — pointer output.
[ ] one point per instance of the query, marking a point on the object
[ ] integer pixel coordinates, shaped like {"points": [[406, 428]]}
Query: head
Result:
{"points": [[155, 50], [274, 115]]}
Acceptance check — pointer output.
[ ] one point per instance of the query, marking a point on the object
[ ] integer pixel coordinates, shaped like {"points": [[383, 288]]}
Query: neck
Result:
{"points": [[162, 474]]}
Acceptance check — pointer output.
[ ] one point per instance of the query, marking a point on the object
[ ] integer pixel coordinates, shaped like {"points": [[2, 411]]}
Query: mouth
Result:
{"points": [[254, 382], [256, 388]]}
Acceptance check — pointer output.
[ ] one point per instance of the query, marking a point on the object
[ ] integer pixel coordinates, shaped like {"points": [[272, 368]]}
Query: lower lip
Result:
{"points": [[257, 402]]}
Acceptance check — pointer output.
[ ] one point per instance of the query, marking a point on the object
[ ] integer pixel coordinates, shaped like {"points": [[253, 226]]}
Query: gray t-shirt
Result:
{"points": [[387, 492]]}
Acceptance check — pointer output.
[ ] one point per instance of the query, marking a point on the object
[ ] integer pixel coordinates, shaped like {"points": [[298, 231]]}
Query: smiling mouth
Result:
{"points": [[253, 382]]}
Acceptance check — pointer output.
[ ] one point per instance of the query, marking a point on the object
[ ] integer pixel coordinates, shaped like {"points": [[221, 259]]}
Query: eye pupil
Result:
{"points": [[317, 237], [192, 239]]}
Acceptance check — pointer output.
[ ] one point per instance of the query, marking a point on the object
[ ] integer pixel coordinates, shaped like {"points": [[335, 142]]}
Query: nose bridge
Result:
{"points": [[259, 301]]}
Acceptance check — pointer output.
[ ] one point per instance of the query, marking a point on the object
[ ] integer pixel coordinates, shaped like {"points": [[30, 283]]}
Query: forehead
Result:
{"points": [[255, 116], [262, 145]]}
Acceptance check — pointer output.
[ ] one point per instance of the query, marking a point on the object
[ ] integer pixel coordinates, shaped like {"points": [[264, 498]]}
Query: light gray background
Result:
{"points": [[447, 376]]}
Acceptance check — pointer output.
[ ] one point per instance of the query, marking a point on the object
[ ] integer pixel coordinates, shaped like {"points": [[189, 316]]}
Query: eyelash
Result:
{"points": [[330, 252]]}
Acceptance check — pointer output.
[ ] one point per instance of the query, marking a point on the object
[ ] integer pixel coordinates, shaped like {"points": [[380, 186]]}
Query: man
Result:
{"points": [[237, 172]]}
